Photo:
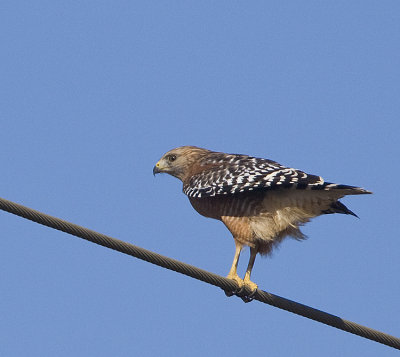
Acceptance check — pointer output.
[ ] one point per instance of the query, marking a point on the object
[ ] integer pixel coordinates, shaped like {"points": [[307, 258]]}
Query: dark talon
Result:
{"points": [[239, 291], [246, 299], [236, 292], [250, 297], [229, 293]]}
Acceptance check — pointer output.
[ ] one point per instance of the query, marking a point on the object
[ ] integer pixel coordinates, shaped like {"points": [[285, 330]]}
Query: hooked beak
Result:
{"points": [[156, 169]]}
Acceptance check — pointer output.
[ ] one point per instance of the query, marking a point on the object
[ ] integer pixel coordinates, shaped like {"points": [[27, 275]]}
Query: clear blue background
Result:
{"points": [[92, 93]]}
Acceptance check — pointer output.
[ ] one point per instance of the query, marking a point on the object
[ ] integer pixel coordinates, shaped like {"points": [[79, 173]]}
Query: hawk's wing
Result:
{"points": [[230, 174]]}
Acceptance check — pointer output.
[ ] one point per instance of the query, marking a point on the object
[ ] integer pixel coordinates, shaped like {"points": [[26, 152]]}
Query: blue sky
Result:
{"points": [[94, 92]]}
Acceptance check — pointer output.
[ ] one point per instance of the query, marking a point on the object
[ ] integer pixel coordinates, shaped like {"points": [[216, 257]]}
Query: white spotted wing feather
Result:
{"points": [[232, 174]]}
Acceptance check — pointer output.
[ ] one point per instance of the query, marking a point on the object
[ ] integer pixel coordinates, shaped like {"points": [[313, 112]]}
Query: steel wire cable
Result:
{"points": [[197, 273]]}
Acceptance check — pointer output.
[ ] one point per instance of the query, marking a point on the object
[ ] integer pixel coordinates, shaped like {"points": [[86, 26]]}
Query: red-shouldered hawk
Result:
{"points": [[260, 201]]}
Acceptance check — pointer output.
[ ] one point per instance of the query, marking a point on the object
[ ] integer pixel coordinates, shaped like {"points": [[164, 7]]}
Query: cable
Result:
{"points": [[200, 274]]}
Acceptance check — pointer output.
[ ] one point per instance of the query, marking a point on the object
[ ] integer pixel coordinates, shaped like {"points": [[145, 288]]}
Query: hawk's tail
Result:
{"points": [[339, 207], [346, 189]]}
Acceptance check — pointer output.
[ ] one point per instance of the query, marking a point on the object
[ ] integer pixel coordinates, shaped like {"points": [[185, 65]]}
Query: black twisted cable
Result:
{"points": [[200, 274]]}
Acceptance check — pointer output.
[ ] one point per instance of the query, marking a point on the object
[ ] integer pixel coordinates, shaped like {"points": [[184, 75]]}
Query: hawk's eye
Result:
{"points": [[171, 158]]}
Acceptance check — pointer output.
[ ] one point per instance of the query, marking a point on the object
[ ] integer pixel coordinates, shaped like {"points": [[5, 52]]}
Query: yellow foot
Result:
{"points": [[236, 278], [248, 283], [251, 286]]}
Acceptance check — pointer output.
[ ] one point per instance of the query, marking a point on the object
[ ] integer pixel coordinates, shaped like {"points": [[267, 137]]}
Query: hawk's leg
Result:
{"points": [[233, 272], [246, 280]]}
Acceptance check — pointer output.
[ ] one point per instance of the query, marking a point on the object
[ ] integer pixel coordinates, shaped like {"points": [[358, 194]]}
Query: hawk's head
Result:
{"points": [[177, 162]]}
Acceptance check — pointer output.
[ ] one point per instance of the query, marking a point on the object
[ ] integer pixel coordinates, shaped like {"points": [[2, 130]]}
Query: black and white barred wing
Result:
{"points": [[232, 174], [236, 173]]}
